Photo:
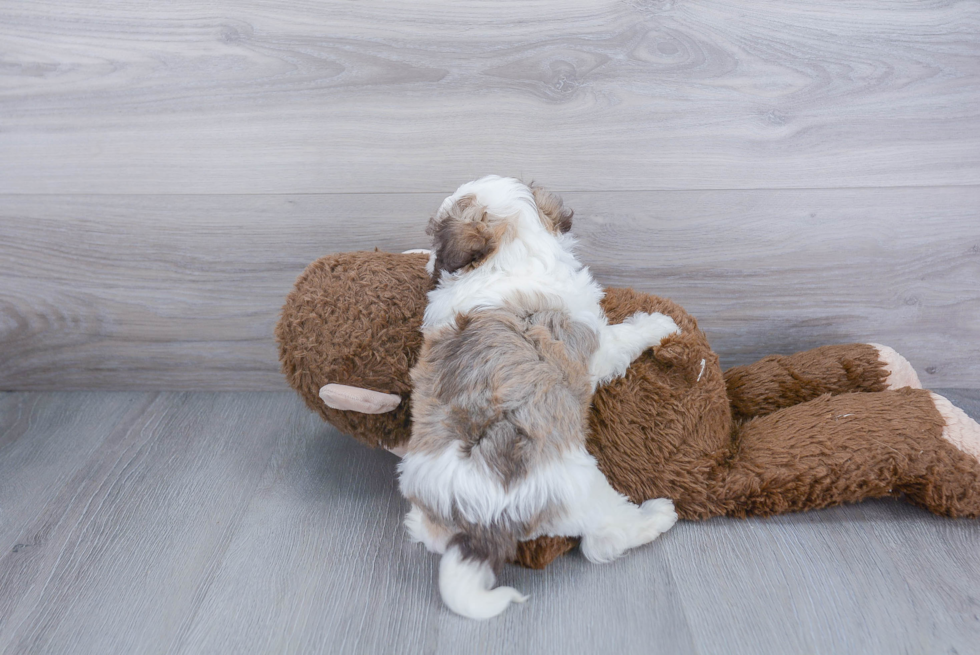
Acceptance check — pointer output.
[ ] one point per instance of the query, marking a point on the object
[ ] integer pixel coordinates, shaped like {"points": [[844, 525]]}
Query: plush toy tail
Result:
{"points": [[466, 576]]}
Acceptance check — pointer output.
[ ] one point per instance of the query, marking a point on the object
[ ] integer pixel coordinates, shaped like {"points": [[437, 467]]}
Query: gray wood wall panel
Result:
{"points": [[241, 523], [182, 292], [285, 96]]}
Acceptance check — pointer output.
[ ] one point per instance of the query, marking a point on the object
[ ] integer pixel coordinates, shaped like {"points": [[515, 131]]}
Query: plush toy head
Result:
{"points": [[354, 319]]}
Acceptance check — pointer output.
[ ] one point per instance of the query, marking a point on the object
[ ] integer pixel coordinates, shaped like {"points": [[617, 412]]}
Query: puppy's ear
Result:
{"points": [[553, 209], [459, 243]]}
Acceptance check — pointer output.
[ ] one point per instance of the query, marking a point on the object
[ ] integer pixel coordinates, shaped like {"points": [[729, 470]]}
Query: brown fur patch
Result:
{"points": [[779, 381], [540, 552], [465, 235], [513, 389], [841, 449], [459, 244], [494, 544], [552, 208]]}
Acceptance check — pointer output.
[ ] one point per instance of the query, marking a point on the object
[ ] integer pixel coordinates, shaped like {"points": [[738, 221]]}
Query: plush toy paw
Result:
{"points": [[961, 430], [900, 372]]}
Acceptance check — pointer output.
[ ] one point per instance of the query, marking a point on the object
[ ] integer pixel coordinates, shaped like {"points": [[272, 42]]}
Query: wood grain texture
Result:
{"points": [[44, 441], [119, 558], [238, 522], [182, 292], [286, 96]]}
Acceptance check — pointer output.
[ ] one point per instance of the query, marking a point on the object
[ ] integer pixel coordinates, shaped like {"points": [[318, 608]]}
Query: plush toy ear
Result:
{"points": [[356, 399], [458, 243], [553, 209]]}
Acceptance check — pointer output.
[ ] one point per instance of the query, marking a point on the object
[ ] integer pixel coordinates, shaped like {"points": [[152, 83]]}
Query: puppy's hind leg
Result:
{"points": [[607, 521], [620, 344], [421, 530]]}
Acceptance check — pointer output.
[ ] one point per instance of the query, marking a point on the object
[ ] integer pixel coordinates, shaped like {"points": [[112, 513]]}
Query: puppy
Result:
{"points": [[515, 342]]}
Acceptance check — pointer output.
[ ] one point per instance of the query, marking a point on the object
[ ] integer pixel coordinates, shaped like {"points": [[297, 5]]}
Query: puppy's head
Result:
{"points": [[463, 233], [473, 223]]}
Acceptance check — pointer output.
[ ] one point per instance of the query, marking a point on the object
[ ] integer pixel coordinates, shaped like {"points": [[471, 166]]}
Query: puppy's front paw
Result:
{"points": [[655, 327]]}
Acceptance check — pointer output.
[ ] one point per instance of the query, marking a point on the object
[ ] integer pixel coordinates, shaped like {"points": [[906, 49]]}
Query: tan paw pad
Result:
{"points": [[900, 372], [961, 430]]}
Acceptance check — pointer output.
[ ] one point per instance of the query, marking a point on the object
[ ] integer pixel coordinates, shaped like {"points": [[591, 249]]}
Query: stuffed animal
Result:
{"points": [[832, 425]]}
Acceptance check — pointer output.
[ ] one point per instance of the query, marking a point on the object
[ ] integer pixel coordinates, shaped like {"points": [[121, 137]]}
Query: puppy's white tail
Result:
{"points": [[466, 585]]}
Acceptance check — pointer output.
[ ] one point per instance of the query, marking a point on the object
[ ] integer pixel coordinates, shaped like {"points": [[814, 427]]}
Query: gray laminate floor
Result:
{"points": [[238, 522]]}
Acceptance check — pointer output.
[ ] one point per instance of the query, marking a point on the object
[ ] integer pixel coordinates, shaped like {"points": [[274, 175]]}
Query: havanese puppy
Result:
{"points": [[515, 342]]}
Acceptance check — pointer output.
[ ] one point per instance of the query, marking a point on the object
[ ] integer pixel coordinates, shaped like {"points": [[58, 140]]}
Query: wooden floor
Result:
{"points": [[240, 523]]}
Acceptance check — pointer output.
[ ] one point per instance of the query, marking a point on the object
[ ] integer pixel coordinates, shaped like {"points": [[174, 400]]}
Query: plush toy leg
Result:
{"points": [[780, 381], [845, 448]]}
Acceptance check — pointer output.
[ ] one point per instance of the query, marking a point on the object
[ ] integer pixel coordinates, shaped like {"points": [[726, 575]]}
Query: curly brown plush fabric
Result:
{"points": [[355, 319], [787, 433], [779, 381]]}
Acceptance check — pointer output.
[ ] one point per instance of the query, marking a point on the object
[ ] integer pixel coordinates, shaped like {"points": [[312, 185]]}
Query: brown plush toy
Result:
{"points": [[832, 425]]}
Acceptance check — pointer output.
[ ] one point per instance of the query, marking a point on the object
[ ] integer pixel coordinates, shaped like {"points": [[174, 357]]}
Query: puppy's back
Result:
{"points": [[509, 387]]}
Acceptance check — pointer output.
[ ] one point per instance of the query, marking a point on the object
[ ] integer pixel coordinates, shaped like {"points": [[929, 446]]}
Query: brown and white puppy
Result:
{"points": [[515, 344]]}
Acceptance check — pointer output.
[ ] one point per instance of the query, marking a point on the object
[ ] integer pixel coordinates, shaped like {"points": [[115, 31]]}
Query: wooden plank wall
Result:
{"points": [[795, 172]]}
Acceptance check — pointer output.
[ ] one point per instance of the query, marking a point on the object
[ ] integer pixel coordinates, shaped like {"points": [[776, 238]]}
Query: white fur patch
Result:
{"points": [[421, 530], [620, 344], [535, 261], [465, 586], [607, 521], [452, 480], [589, 507]]}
